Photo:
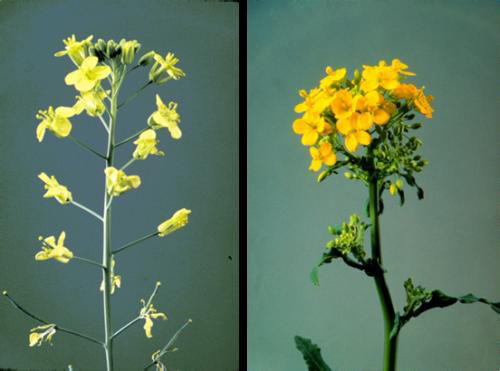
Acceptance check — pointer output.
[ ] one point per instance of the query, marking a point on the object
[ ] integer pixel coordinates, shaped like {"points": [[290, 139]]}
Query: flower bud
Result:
{"points": [[322, 176], [147, 58], [348, 175], [332, 230], [357, 76], [111, 49], [330, 244], [129, 49]]}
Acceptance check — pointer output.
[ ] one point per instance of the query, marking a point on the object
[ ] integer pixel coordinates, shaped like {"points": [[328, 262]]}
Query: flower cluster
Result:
{"points": [[349, 238], [354, 110]]}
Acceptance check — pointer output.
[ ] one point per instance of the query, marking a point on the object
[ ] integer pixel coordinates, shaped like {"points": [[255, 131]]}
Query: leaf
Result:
{"points": [[469, 298], [438, 300], [495, 307], [311, 354], [315, 276]]}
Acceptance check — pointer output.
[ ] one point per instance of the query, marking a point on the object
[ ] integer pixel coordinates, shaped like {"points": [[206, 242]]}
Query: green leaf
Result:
{"points": [[311, 354], [469, 298], [315, 276]]}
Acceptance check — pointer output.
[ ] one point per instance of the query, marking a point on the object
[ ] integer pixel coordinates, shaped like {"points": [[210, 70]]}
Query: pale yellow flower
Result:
{"points": [[54, 189], [91, 101], [36, 338], [178, 220], [87, 75], [55, 121], [53, 250], [164, 69], [166, 117], [146, 145], [148, 313], [76, 50], [118, 182], [116, 281]]}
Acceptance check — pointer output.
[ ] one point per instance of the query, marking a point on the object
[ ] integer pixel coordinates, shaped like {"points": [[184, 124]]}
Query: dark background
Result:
{"points": [[447, 241], [199, 172]]}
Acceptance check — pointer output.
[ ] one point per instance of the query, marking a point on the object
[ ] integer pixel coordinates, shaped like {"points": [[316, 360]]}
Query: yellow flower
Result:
{"points": [[379, 76], [87, 75], [309, 100], [51, 250], [178, 220], [116, 281], [393, 189], [405, 91], [55, 121], [423, 103], [54, 189], [354, 128], [166, 117], [91, 101], [118, 182], [343, 104], [129, 48], [333, 76], [36, 338], [146, 145], [322, 155], [311, 126], [148, 314], [76, 50], [399, 66], [164, 69]]}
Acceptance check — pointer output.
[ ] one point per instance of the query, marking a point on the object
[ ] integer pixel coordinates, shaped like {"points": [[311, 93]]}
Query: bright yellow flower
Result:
{"points": [[164, 69], [309, 100], [118, 182], [399, 66], [55, 121], [36, 338], [91, 101], [178, 220], [333, 76], [322, 155], [311, 126], [148, 314], [51, 250], [87, 75], [54, 189], [166, 117], [405, 91], [76, 50], [116, 281], [146, 145], [379, 76], [343, 104], [423, 105], [354, 128]]}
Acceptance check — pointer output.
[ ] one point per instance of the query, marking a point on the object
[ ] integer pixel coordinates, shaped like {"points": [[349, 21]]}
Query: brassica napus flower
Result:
{"points": [[379, 76], [423, 105], [146, 145], [322, 155], [37, 338], [355, 129], [164, 69], [166, 117], [53, 250], [76, 50], [178, 220], [55, 121], [333, 76], [118, 182], [87, 75], [148, 313], [91, 101], [311, 126], [54, 189], [343, 104]]}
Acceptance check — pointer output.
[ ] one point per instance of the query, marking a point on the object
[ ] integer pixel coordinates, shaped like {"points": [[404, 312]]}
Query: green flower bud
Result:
{"points": [[147, 58], [348, 175], [330, 244], [322, 176], [111, 49], [129, 49], [357, 77], [332, 230]]}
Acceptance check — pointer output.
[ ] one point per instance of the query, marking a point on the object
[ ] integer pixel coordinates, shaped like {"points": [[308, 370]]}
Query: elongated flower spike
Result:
{"points": [[55, 121], [53, 250], [76, 50], [54, 189], [178, 220], [118, 182], [87, 75], [37, 338], [166, 117], [146, 145]]}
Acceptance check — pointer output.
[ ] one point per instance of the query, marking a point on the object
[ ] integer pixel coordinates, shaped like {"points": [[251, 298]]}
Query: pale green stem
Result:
{"points": [[131, 137], [87, 210], [133, 96], [128, 164], [103, 123], [58, 328], [86, 147], [130, 244], [87, 260], [126, 326]]}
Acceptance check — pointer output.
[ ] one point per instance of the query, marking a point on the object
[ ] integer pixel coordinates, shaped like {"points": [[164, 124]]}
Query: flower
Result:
{"points": [[423, 105], [115, 281], [343, 104], [178, 220], [87, 75], [333, 76], [323, 154], [399, 66], [405, 91], [311, 126], [129, 48], [91, 101], [54, 189], [164, 69], [355, 129], [379, 76], [54, 120], [146, 145], [166, 117], [156, 357], [51, 250], [36, 338], [118, 182], [148, 313], [76, 50]]}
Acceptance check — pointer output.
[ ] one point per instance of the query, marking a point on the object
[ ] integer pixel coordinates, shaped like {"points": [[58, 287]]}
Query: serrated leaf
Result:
{"points": [[315, 275], [311, 354]]}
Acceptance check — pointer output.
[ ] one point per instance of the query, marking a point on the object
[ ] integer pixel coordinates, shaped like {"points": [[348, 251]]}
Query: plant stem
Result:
{"points": [[93, 213], [86, 147], [390, 346], [130, 244], [131, 137], [127, 164], [123, 328], [129, 99], [87, 261]]}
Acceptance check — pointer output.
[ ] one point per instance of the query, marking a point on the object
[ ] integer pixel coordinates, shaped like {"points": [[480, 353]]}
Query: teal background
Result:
{"points": [[448, 241], [199, 172]]}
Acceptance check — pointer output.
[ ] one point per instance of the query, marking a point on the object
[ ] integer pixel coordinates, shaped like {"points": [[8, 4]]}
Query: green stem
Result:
{"points": [[93, 213], [390, 345], [127, 164], [87, 261], [133, 96], [86, 147], [131, 137], [130, 244]]}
